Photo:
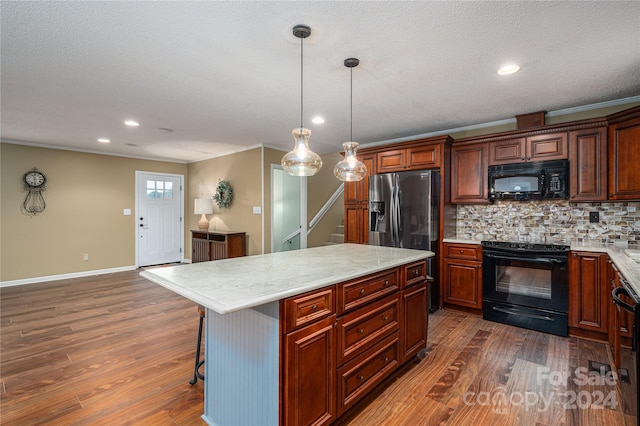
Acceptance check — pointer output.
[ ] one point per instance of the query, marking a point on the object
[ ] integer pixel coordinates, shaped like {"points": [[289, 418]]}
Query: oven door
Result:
{"points": [[629, 371], [529, 280]]}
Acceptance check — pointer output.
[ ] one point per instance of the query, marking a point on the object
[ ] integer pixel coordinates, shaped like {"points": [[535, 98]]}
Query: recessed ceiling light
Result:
{"points": [[508, 69], [317, 120], [104, 140], [132, 123]]}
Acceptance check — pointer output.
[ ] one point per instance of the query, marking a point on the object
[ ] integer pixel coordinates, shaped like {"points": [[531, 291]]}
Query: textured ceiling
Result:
{"points": [[226, 75]]}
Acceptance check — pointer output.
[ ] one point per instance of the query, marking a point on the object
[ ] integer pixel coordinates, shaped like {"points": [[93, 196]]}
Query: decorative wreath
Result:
{"points": [[224, 194]]}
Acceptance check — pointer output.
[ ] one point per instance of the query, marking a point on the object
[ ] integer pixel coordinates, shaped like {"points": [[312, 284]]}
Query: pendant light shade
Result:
{"points": [[301, 161], [350, 169]]}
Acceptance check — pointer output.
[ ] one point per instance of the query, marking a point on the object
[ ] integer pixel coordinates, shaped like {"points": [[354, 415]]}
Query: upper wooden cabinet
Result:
{"points": [[552, 146], [469, 174], [359, 191], [588, 164], [415, 158], [624, 155]]}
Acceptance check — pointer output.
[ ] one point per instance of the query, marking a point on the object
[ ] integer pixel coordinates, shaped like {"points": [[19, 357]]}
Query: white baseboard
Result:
{"points": [[65, 276]]}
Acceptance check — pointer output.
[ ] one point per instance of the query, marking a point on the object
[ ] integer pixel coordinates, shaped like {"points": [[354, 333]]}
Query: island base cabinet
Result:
{"points": [[309, 379], [413, 334]]}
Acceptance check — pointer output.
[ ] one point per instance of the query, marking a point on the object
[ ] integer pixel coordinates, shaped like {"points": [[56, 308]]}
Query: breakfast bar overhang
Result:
{"points": [[242, 297]]}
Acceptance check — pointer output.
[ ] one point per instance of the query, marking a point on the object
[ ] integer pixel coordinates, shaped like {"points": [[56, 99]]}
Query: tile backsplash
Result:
{"points": [[550, 221]]}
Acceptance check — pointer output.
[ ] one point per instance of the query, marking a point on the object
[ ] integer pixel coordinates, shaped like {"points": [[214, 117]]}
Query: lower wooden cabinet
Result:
{"points": [[309, 395], [462, 275], [337, 349], [589, 293], [413, 333], [206, 246]]}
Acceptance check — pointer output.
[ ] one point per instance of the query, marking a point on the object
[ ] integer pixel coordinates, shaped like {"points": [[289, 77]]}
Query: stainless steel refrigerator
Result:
{"points": [[403, 212]]}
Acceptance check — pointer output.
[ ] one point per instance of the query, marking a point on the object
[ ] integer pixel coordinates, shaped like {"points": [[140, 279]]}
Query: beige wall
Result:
{"points": [[319, 188], [243, 171], [85, 196]]}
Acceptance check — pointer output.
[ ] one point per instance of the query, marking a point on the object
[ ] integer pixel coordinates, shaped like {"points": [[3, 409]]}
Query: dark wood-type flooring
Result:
{"points": [[116, 349]]}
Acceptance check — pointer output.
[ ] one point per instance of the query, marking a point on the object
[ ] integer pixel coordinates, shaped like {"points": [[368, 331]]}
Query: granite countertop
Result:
{"points": [[231, 285], [629, 268]]}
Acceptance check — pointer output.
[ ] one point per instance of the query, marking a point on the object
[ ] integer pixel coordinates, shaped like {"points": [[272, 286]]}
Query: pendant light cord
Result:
{"points": [[351, 107], [301, 79]]}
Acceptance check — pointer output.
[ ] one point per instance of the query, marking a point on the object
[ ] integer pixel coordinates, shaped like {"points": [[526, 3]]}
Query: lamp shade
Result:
{"points": [[203, 206]]}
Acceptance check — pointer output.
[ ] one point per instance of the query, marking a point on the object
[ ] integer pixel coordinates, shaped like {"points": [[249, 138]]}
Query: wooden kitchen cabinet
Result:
{"points": [[206, 246], [413, 335], [356, 224], [339, 342], [624, 155], [463, 275], [589, 294], [469, 174], [588, 164], [550, 146], [309, 385], [356, 205], [358, 192], [415, 158]]}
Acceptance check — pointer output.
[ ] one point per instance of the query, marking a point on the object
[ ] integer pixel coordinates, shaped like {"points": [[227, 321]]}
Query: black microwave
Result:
{"points": [[529, 181]]}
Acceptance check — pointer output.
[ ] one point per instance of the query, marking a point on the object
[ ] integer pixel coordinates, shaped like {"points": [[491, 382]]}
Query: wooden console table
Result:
{"points": [[206, 246]]}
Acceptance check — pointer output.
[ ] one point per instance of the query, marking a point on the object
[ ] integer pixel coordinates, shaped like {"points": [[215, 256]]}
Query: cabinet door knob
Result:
{"points": [[461, 251], [360, 377], [384, 318], [386, 283], [314, 308], [416, 272], [385, 359], [361, 331], [362, 291]]}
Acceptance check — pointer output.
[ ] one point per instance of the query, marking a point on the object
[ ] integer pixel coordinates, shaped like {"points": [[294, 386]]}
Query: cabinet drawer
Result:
{"points": [[306, 308], [414, 273], [463, 251], [359, 376], [356, 293], [359, 329]]}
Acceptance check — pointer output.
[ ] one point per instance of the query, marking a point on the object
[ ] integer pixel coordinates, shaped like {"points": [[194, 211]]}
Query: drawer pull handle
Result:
{"points": [[360, 377], [384, 318], [385, 359], [362, 291], [416, 272], [386, 283], [461, 251], [361, 331], [314, 308]]}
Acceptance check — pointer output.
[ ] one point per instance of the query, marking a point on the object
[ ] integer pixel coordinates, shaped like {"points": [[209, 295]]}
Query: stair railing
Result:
{"points": [[336, 194]]}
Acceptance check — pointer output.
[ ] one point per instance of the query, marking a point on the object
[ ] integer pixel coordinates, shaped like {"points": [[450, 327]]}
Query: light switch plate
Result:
{"points": [[257, 210], [127, 212]]}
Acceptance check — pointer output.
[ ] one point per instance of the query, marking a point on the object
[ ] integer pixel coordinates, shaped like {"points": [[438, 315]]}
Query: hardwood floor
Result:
{"points": [[116, 349]]}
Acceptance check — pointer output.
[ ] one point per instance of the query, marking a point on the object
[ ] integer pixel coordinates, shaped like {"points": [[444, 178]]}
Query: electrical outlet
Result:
{"points": [[594, 217], [85, 256]]}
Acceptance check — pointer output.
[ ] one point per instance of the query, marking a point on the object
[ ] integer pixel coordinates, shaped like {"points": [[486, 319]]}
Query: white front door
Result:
{"points": [[159, 212]]}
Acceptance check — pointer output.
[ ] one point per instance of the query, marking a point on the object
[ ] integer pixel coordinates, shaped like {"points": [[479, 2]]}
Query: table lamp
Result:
{"points": [[203, 206]]}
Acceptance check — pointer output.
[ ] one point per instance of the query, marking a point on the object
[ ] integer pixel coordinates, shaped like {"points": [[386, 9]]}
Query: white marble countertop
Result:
{"points": [[626, 265], [231, 285]]}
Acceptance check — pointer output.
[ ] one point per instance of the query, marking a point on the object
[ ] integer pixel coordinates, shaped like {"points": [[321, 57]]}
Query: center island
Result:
{"points": [[298, 337]]}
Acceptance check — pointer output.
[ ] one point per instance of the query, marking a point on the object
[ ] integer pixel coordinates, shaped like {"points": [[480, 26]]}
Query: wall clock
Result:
{"points": [[34, 183]]}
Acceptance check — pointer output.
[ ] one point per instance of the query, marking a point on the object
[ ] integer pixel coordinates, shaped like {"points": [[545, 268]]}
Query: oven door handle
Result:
{"points": [[516, 311], [526, 259]]}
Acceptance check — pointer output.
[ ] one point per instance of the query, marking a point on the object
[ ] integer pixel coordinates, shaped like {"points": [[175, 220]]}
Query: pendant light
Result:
{"points": [[350, 169], [301, 161]]}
